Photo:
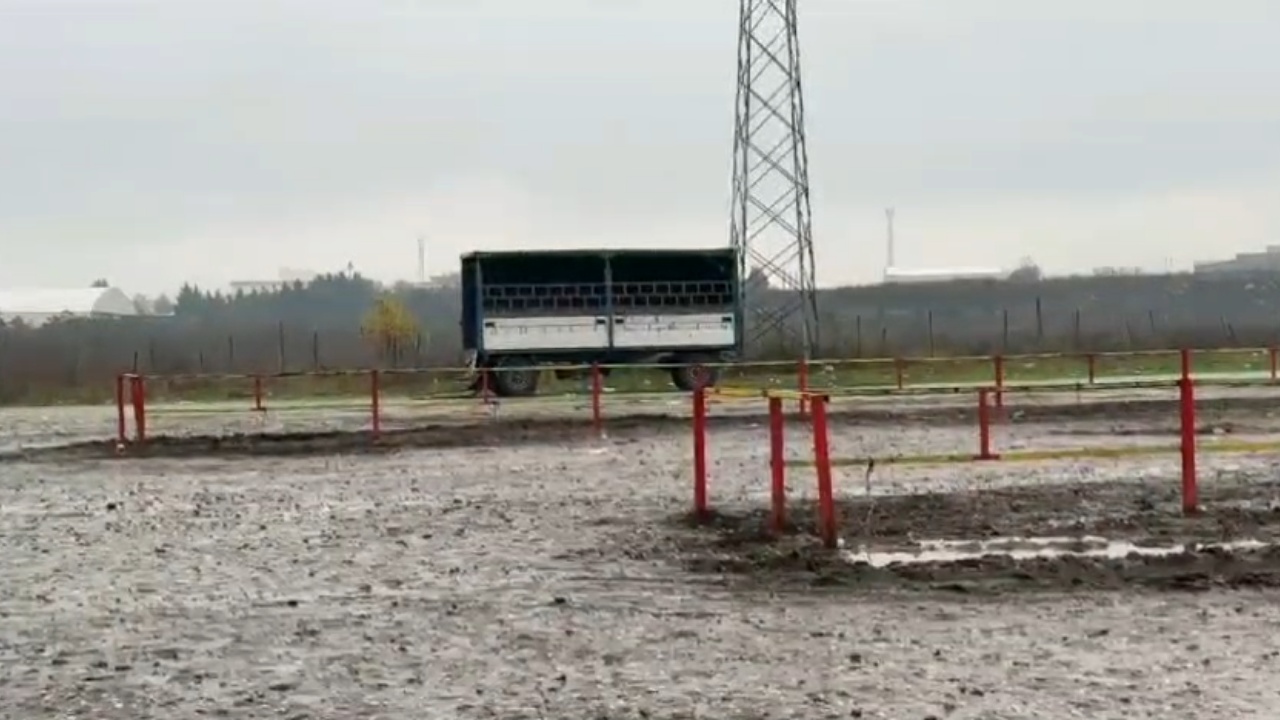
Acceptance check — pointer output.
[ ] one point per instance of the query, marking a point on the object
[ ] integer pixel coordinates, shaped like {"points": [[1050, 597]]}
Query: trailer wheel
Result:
{"points": [[695, 373], [521, 382]]}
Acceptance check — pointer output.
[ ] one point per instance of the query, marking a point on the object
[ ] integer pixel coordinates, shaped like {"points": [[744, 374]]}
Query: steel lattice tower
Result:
{"points": [[770, 224]]}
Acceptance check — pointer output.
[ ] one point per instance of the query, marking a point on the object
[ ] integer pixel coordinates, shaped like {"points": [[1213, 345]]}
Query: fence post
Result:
{"points": [[122, 431], [802, 372], [984, 426], [778, 464], [822, 463], [899, 372], [375, 402], [1272, 362], [700, 454], [998, 369], [1092, 361], [257, 394], [280, 359], [138, 392], [597, 388], [1187, 406]]}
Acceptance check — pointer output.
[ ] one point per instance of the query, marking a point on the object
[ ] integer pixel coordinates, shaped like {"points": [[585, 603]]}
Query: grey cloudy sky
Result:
{"points": [[172, 140]]}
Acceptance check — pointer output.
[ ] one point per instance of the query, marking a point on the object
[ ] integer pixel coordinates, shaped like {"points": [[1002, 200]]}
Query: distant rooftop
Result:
{"points": [[35, 306], [1266, 261], [284, 277]]}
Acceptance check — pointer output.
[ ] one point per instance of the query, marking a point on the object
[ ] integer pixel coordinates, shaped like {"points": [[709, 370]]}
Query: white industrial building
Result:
{"points": [[285, 278], [36, 307], [928, 275], [1266, 261], [894, 274]]}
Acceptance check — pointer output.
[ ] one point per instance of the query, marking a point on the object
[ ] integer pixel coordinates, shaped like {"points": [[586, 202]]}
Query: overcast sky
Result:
{"points": [[180, 140]]}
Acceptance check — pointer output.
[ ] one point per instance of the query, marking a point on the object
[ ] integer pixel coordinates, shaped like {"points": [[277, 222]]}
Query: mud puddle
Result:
{"points": [[944, 551], [1053, 537]]}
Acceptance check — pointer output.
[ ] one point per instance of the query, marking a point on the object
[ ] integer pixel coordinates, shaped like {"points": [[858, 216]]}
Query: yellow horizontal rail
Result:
{"points": [[766, 393], [1220, 446]]}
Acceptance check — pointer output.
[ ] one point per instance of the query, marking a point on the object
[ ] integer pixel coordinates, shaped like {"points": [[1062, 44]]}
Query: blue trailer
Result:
{"points": [[525, 309]]}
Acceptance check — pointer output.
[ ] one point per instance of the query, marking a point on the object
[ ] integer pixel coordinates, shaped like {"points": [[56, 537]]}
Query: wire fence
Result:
{"points": [[76, 360]]}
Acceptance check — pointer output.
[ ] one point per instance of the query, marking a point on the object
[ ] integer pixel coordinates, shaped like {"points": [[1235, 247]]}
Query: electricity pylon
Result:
{"points": [[770, 225]]}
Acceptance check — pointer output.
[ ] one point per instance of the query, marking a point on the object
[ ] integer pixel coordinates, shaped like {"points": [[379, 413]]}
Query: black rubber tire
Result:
{"points": [[694, 374], [515, 383]]}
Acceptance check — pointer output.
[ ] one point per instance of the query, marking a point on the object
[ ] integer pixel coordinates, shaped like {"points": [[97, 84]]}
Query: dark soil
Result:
{"points": [[740, 546]]}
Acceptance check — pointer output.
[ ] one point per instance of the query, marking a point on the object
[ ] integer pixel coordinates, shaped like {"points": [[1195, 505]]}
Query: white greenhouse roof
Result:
{"points": [[72, 301]]}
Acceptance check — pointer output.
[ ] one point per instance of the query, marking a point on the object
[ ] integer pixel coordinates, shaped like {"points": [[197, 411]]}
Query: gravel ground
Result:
{"points": [[554, 578]]}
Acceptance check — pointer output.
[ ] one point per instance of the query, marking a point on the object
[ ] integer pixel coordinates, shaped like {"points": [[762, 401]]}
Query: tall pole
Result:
{"points": [[422, 260], [890, 262], [770, 221]]}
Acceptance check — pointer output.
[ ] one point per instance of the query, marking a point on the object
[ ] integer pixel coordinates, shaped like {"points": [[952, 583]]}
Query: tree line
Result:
{"points": [[345, 321]]}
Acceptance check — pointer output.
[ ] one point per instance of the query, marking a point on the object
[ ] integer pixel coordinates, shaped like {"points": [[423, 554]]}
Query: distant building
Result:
{"points": [[1266, 261], [442, 282], [1112, 271], [284, 278], [926, 275], [36, 307]]}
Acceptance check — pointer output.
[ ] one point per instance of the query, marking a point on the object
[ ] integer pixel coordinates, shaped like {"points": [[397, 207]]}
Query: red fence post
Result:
{"points": [[998, 369], [138, 392], [1187, 406], [700, 453], [802, 372], [778, 464], [375, 402], [122, 430], [484, 385], [984, 426], [1092, 361], [257, 394], [822, 463]]}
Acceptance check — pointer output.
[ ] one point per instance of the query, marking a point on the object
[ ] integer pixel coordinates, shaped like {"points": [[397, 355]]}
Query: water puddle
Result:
{"points": [[937, 551]]}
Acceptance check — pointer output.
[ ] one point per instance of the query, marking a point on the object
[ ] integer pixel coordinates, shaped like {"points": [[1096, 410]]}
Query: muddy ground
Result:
{"points": [[1145, 514], [552, 574]]}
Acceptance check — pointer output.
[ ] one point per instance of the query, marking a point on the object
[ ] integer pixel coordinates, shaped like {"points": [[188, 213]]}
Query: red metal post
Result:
{"points": [[1271, 353], [122, 430], [802, 373], [998, 362], [1092, 361], [375, 402], [899, 372], [700, 453], [138, 391], [778, 464], [1187, 405], [984, 426], [597, 389], [257, 394], [1184, 357], [484, 385], [822, 463]]}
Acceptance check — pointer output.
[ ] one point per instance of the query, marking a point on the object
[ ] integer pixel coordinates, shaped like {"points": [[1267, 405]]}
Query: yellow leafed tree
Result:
{"points": [[390, 327]]}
